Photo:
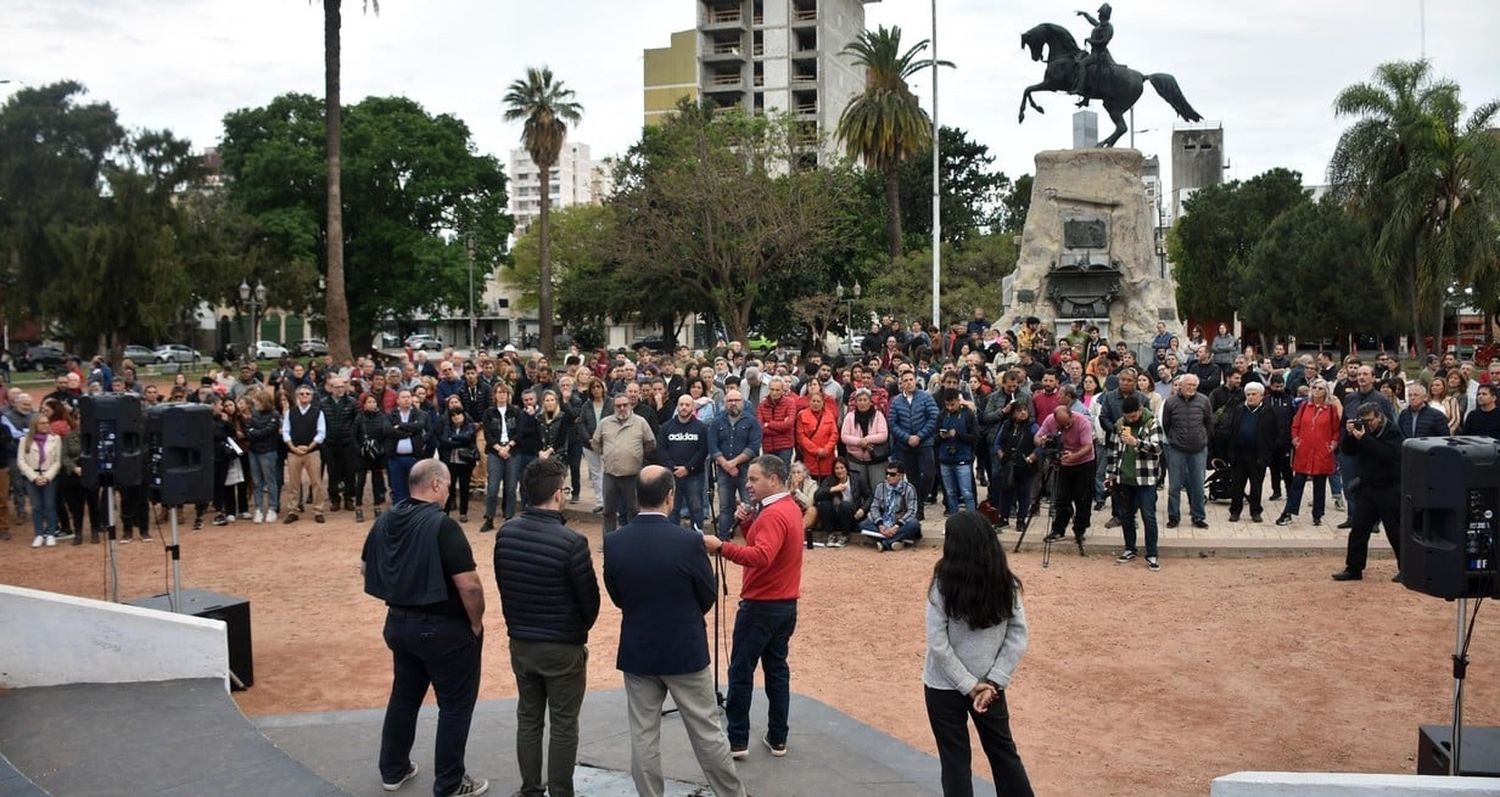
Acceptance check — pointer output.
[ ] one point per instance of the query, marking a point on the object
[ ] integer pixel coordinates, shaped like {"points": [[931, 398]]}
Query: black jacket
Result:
{"points": [[264, 431], [374, 426], [1429, 423], [858, 494], [548, 591], [414, 429], [338, 420], [659, 576], [556, 434], [1265, 433], [1379, 457], [458, 438]]}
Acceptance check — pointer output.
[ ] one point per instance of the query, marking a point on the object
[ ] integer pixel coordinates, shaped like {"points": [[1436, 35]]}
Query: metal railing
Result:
{"points": [[725, 80], [730, 48], [724, 15], [804, 15]]}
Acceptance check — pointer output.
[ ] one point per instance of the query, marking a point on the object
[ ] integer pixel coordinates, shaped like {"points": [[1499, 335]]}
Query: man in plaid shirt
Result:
{"points": [[1133, 468]]}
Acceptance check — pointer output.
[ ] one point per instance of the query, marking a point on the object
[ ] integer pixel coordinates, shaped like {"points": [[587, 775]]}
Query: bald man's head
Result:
{"points": [[653, 490]]}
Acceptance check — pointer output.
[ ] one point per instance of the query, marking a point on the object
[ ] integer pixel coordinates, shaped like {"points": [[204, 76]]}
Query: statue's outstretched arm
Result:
{"points": [[1086, 15]]}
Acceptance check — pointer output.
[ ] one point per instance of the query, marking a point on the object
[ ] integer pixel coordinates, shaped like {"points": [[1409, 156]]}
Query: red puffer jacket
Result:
{"points": [[1315, 434], [777, 422]]}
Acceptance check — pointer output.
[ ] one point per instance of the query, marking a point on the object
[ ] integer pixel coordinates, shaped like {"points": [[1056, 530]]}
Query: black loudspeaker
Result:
{"points": [[234, 612], [181, 439], [1480, 757], [113, 434], [1450, 494]]}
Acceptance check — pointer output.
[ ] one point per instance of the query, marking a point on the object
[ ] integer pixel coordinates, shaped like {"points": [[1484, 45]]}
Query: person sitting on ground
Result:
{"points": [[841, 500], [892, 519]]}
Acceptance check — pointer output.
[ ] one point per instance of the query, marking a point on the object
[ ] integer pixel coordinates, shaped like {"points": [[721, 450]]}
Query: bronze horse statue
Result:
{"points": [[1118, 87]]}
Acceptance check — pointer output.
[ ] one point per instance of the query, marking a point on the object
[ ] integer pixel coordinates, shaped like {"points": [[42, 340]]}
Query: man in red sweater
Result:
{"points": [[767, 616]]}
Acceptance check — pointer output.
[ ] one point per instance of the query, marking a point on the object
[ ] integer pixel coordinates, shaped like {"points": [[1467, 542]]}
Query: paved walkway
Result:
{"points": [[829, 754]]}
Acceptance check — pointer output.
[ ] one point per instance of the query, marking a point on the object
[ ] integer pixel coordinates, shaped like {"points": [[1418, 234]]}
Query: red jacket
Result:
{"points": [[772, 553], [818, 440], [1315, 433], [777, 420]]}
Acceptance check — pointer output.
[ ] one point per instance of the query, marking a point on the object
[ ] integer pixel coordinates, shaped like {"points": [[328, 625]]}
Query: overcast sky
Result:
{"points": [[1266, 69]]}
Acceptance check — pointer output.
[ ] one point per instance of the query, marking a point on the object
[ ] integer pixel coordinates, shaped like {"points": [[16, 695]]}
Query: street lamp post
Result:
{"points": [[849, 306], [473, 322], [255, 299]]}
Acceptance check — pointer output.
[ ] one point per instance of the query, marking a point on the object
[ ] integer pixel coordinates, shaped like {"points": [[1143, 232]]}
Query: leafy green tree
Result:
{"points": [[585, 270], [1220, 224], [547, 108], [1308, 275], [971, 278], [885, 125], [336, 304], [973, 193], [418, 194], [1423, 177], [706, 209]]}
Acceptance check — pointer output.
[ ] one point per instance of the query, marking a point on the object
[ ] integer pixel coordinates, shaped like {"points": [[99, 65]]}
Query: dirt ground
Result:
{"points": [[1135, 683]]}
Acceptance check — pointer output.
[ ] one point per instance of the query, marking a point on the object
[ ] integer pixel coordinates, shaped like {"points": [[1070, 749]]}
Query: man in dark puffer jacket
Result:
{"points": [[550, 598]]}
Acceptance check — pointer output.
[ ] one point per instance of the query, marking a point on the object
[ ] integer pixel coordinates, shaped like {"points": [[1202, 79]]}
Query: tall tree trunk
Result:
{"points": [[544, 258], [1418, 344], [336, 304], [892, 211]]}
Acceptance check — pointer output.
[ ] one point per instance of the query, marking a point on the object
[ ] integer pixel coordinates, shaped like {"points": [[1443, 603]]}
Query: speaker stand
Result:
{"points": [[1460, 667], [114, 569], [176, 550]]}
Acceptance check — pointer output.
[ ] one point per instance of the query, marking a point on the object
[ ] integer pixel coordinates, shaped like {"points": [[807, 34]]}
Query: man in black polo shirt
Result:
{"points": [[1484, 420], [417, 560]]}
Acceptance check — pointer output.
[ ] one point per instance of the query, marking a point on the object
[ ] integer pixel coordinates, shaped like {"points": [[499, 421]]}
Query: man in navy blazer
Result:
{"points": [[659, 576]]}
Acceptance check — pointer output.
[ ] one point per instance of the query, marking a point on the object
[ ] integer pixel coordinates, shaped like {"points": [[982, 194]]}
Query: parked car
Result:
{"points": [[424, 341], [269, 350], [140, 354], [761, 344], [44, 357], [177, 353], [655, 343], [312, 347]]}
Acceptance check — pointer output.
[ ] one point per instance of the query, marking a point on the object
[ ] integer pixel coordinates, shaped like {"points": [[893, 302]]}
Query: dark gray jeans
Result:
{"points": [[551, 678]]}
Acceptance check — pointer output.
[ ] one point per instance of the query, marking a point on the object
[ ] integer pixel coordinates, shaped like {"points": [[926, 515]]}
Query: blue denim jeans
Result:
{"points": [[689, 498], [908, 531], [517, 466], [1142, 500], [399, 469], [1294, 494], [1186, 470], [731, 492], [958, 486], [762, 633], [43, 508], [499, 486], [264, 480]]}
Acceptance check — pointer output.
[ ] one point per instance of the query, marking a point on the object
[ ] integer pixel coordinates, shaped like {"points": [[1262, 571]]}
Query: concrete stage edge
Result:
{"points": [[828, 752]]}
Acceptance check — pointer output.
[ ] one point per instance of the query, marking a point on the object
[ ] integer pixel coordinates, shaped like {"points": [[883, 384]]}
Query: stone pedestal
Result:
{"points": [[1088, 250]]}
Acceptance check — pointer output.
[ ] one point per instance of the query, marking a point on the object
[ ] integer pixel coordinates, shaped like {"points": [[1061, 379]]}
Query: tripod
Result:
{"points": [[718, 565], [1046, 480], [1460, 670]]}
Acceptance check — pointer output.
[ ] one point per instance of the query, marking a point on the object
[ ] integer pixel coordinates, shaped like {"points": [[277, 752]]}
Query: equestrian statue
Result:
{"points": [[1094, 75]]}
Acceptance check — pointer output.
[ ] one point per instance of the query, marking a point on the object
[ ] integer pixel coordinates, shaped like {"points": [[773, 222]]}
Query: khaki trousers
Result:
{"points": [[310, 465]]}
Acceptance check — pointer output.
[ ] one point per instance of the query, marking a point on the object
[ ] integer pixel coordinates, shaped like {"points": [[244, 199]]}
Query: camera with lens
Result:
{"points": [[1053, 443], [1358, 426]]}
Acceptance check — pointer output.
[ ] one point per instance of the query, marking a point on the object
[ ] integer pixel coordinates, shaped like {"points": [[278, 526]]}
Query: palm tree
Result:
{"points": [[885, 125], [335, 303], [548, 107], [1418, 173]]}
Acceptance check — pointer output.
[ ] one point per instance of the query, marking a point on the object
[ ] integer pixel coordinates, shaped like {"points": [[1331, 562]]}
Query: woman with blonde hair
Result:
{"points": [[39, 460], [1315, 437], [1445, 403]]}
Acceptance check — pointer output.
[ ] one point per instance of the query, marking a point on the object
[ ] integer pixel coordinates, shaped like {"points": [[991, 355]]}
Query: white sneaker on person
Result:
{"points": [[271, 517], [37, 541], [51, 541], [259, 517]]}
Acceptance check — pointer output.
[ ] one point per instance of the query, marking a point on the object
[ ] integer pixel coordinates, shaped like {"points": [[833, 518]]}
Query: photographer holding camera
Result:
{"points": [[1074, 432], [1374, 443]]}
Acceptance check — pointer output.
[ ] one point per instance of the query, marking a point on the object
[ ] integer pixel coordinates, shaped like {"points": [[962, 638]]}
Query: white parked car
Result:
{"points": [[422, 341], [269, 350], [177, 353]]}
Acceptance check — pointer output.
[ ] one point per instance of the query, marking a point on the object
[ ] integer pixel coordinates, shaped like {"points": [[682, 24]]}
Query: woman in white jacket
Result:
{"points": [[976, 635]]}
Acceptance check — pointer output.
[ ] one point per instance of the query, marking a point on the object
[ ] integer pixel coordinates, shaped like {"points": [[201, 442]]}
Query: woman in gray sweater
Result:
{"points": [[976, 635]]}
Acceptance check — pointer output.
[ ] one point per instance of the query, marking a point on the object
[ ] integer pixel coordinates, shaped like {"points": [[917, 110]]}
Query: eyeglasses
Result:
{"points": [[893, 475]]}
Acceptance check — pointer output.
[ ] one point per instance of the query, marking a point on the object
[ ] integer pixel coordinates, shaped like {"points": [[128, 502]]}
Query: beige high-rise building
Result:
{"points": [[765, 56], [671, 75]]}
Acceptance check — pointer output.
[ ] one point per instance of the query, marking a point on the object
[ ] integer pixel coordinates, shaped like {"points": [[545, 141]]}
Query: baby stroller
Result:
{"points": [[1217, 485]]}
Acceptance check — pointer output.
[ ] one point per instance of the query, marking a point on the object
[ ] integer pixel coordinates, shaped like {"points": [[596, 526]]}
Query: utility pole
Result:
{"points": [[473, 322], [937, 181]]}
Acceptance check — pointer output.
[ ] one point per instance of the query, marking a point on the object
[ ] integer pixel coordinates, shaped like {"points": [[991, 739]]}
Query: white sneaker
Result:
{"points": [[229, 518], [244, 516], [37, 542], [51, 541], [260, 516], [270, 517]]}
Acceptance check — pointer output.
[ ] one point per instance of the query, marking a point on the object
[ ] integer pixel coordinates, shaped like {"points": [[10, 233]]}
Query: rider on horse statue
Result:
{"points": [[1099, 56]]}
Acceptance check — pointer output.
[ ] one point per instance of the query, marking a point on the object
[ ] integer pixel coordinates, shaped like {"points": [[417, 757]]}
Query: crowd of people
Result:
{"points": [[872, 440]]}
